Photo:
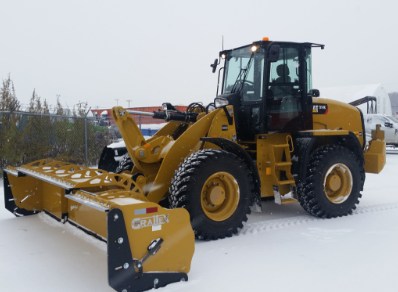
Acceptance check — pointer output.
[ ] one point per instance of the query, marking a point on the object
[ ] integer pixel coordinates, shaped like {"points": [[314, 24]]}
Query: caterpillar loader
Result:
{"points": [[267, 134]]}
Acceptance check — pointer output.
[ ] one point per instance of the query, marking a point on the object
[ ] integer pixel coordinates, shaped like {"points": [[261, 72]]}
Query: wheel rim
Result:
{"points": [[338, 183], [220, 196]]}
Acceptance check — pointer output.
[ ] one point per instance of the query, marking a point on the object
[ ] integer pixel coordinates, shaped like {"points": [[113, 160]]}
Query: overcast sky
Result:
{"points": [[149, 52]]}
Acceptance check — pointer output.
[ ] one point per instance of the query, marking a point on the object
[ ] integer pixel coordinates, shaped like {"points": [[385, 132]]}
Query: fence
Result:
{"points": [[26, 137]]}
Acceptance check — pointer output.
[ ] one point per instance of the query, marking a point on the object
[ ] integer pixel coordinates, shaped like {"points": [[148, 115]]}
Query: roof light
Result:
{"points": [[254, 48], [265, 39]]}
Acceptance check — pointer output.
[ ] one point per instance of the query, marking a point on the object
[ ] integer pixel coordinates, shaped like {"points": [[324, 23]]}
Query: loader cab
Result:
{"points": [[268, 83]]}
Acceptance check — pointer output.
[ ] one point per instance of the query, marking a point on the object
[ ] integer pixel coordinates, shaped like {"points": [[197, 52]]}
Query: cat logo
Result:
{"points": [[319, 109], [155, 222]]}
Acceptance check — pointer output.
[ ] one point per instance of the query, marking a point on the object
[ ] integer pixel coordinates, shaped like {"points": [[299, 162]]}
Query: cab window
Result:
{"points": [[284, 104]]}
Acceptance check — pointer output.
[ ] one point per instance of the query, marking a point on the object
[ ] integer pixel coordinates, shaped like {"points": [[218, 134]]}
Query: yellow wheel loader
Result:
{"points": [[267, 134]]}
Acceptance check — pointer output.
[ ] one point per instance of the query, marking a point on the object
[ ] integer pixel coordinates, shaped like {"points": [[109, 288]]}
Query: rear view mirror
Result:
{"points": [[273, 53], [214, 65], [314, 93]]}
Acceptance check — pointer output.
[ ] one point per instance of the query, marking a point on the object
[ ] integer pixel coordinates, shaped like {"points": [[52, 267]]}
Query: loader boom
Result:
{"points": [[158, 158]]}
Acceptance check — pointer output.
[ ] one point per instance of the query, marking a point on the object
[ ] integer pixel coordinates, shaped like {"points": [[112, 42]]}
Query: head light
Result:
{"points": [[220, 102]]}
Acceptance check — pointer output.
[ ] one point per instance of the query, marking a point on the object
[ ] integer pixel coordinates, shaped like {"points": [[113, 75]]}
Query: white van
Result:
{"points": [[389, 125]]}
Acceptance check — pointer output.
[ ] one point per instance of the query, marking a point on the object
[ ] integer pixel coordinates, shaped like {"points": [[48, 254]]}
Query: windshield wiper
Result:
{"points": [[240, 79]]}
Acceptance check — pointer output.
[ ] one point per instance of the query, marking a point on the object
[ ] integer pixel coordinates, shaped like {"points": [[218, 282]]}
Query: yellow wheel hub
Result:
{"points": [[220, 196], [217, 195], [334, 182], [338, 183]]}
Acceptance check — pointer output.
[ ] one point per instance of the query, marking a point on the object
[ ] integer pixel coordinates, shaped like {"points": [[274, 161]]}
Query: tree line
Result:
{"points": [[39, 133]]}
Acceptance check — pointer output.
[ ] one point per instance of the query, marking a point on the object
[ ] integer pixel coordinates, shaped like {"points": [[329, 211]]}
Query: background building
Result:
{"points": [[351, 93]]}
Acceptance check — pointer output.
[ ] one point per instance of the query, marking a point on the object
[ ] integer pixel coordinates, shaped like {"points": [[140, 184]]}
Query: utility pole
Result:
{"points": [[117, 101], [128, 102]]}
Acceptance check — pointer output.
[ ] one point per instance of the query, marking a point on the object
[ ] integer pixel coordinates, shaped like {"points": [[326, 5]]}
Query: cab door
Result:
{"points": [[288, 107], [249, 103]]}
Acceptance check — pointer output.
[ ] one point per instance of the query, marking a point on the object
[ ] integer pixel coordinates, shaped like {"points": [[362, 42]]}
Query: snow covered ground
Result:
{"points": [[280, 249]]}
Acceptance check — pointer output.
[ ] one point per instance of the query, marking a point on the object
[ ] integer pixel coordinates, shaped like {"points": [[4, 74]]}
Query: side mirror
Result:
{"points": [[214, 65], [314, 93], [273, 53]]}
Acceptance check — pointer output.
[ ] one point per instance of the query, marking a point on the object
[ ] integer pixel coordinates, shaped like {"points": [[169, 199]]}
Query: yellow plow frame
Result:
{"points": [[148, 246]]}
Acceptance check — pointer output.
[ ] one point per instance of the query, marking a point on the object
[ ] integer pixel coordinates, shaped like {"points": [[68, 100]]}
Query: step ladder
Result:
{"points": [[282, 175]]}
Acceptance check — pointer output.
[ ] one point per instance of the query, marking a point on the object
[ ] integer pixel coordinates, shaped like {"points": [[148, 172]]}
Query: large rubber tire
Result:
{"points": [[217, 189], [108, 162], [335, 178], [125, 164]]}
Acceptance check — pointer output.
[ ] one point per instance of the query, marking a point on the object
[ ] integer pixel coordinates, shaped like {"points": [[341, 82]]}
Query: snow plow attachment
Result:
{"points": [[148, 246]]}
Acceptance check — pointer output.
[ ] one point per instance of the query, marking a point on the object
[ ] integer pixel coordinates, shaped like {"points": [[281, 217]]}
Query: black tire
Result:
{"points": [[109, 163], [107, 160], [302, 150], [125, 164], [204, 173], [335, 178]]}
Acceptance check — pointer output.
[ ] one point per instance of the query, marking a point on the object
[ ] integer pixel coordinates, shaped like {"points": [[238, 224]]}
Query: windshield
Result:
{"points": [[244, 72]]}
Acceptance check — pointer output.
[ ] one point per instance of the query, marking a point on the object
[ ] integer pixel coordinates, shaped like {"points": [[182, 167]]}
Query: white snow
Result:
{"points": [[280, 249]]}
